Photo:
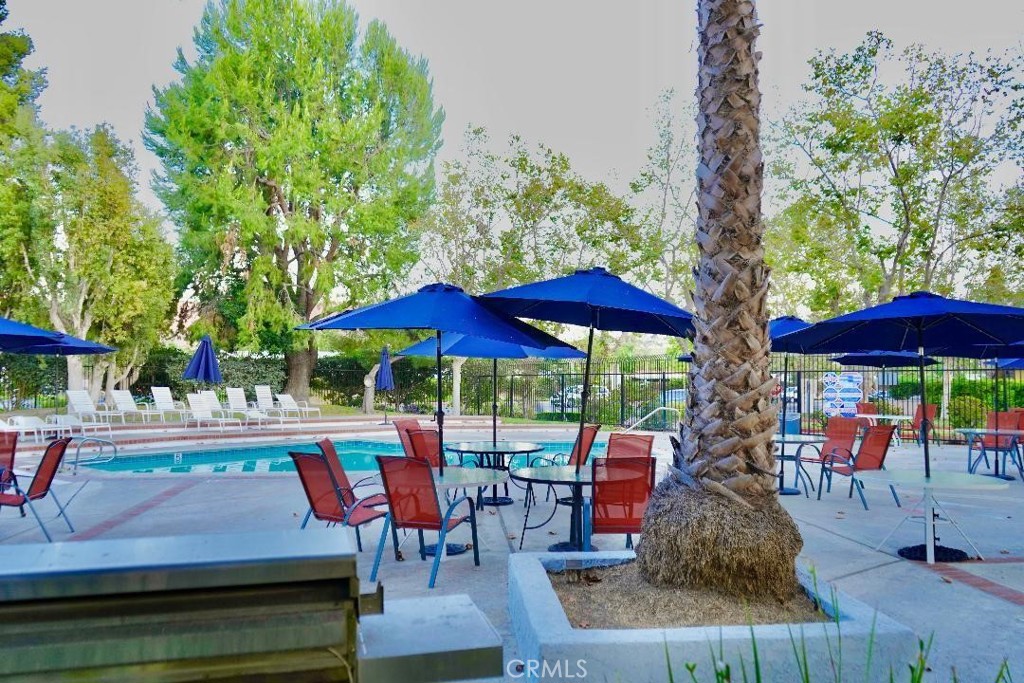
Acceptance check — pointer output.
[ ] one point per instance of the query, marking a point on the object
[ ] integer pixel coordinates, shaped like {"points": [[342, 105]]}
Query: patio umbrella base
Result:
{"points": [[1004, 477], [568, 547], [787, 491], [495, 501], [942, 553], [453, 548]]}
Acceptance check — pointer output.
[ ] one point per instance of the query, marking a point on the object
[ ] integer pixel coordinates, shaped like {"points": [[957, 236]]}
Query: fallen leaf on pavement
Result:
{"points": [[947, 579], [511, 537]]}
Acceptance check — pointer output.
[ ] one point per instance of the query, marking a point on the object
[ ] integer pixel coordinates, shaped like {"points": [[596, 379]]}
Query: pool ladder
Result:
{"points": [[97, 457]]}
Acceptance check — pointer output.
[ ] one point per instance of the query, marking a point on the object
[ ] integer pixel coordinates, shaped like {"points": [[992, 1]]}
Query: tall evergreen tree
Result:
{"points": [[296, 153]]}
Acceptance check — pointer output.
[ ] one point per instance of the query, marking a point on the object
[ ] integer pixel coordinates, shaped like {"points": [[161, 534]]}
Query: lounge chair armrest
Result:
{"points": [[366, 481]]}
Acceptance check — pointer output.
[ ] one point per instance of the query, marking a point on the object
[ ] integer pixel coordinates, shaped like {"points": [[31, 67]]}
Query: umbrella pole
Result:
{"points": [[585, 394], [494, 402], [785, 405], [440, 408], [925, 425]]}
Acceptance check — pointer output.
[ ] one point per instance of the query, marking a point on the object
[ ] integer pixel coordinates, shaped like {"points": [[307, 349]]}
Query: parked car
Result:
{"points": [[574, 393], [674, 398]]}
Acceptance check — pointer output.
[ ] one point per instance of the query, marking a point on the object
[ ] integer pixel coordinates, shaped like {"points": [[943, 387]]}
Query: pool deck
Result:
{"points": [[975, 610]]}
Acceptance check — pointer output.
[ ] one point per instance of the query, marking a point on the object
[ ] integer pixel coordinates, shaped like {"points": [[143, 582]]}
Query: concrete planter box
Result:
{"points": [[639, 655]]}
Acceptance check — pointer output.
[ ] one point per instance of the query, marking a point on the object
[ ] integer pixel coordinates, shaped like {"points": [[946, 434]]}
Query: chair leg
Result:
{"points": [[894, 496], [526, 517], [39, 520], [305, 520], [359, 540], [629, 541], [442, 547], [394, 543], [63, 511], [423, 548], [380, 547], [821, 479], [476, 545], [586, 524], [860, 491], [852, 482]]}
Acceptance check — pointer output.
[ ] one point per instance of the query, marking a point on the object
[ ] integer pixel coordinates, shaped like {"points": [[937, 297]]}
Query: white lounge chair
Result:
{"points": [[24, 425], [213, 401], [164, 403], [126, 404], [202, 412], [70, 423], [237, 405], [265, 400], [80, 403], [302, 408]]}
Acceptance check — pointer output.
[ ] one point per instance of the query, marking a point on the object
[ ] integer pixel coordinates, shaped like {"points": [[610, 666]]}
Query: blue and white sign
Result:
{"points": [[842, 392]]}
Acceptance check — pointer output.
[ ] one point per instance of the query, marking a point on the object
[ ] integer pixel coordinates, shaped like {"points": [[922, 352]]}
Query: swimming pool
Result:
{"points": [[356, 454]]}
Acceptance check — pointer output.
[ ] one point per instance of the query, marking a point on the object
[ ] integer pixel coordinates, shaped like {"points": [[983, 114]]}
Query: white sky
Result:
{"points": [[578, 75]]}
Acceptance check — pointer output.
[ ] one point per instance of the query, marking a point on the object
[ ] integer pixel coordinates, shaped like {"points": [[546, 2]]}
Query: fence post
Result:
{"points": [[511, 392], [561, 394], [622, 399]]}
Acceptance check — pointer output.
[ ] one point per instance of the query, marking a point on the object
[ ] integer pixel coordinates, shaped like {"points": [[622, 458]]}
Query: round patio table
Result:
{"points": [[939, 481], [464, 478], [491, 455], [800, 440], [560, 475], [973, 435], [896, 420]]}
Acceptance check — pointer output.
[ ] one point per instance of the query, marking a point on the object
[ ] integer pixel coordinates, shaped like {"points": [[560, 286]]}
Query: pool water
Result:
{"points": [[355, 455]]}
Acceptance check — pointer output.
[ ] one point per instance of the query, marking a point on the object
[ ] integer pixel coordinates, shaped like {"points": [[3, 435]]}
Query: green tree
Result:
{"points": [[91, 259], [524, 215], [296, 153], [891, 168]]}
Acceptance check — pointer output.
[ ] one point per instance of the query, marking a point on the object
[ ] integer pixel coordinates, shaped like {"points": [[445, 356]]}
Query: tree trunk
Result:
{"points": [[76, 373], [716, 521], [456, 407], [299, 366], [370, 389]]}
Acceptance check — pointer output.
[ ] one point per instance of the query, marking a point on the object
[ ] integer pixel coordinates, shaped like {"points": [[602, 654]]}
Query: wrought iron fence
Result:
{"points": [[32, 382]]}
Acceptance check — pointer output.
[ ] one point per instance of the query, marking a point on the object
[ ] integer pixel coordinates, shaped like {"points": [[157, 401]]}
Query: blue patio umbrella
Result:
{"points": [[598, 300], [474, 347], [923, 322], [1010, 364], [14, 335], [778, 328], [203, 366], [61, 345], [441, 308], [385, 377]]}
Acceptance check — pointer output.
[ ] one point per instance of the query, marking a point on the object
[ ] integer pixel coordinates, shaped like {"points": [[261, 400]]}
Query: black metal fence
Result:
{"points": [[32, 382]]}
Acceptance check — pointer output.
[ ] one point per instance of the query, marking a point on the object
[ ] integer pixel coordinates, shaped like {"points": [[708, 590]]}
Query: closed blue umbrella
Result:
{"points": [[474, 347], [598, 300], [203, 366], [883, 359], [923, 322], [385, 378], [438, 307]]}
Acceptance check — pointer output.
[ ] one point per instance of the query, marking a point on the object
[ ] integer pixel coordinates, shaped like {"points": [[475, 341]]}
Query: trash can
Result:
{"points": [[792, 425]]}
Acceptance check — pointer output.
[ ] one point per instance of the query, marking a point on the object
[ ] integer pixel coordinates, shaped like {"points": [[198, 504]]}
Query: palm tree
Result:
{"points": [[716, 521]]}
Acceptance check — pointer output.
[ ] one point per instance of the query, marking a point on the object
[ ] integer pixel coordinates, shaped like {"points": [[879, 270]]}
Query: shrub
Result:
{"points": [[966, 411]]}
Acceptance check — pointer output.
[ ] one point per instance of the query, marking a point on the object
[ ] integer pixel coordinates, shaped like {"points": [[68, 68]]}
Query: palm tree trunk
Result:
{"points": [[716, 521]]}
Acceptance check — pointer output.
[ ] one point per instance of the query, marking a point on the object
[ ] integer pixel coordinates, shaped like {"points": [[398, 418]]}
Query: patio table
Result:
{"points": [[464, 478], [492, 455], [564, 475], [973, 434], [896, 420], [939, 481], [800, 440]]}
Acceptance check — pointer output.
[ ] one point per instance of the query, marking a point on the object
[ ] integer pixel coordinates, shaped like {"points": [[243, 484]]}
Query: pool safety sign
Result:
{"points": [[842, 392]]}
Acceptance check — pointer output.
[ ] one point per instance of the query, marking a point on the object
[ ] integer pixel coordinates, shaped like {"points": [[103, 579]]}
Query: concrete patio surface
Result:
{"points": [[974, 610]]}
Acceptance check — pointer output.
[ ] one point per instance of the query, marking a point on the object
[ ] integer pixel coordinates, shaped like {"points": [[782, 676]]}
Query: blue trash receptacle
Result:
{"points": [[792, 425]]}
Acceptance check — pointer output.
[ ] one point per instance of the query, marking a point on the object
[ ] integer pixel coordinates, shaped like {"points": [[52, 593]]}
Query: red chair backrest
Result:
{"points": [[321, 489], [840, 433], [425, 446], [622, 487], [932, 409], [326, 447], [874, 447], [412, 497], [48, 466], [621, 445], [403, 426], [589, 434], [1000, 420], [8, 445], [866, 408]]}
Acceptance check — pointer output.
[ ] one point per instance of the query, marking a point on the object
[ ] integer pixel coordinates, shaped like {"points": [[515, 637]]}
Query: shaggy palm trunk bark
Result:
{"points": [[716, 522]]}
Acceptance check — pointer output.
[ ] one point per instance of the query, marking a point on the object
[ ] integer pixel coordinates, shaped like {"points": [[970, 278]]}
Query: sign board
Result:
{"points": [[841, 393]]}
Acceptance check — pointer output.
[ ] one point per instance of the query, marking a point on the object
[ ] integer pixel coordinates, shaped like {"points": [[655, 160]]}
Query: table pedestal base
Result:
{"points": [[453, 548], [496, 501], [930, 549], [786, 491], [919, 553], [568, 547]]}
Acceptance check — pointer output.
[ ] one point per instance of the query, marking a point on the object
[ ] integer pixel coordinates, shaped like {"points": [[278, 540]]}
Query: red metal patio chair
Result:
{"points": [[622, 445], [40, 486], [425, 446], [870, 456], [413, 504], [403, 426], [840, 435], [327, 499], [1001, 446], [621, 489], [918, 422], [866, 408]]}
